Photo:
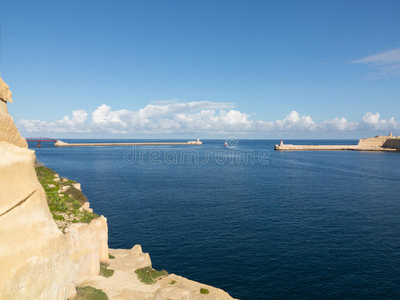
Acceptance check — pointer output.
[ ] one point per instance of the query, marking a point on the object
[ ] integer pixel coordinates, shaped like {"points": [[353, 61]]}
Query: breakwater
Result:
{"points": [[378, 143], [63, 144], [288, 147]]}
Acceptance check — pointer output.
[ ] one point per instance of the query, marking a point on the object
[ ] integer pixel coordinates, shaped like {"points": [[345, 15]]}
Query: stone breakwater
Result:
{"points": [[378, 143], [63, 144]]}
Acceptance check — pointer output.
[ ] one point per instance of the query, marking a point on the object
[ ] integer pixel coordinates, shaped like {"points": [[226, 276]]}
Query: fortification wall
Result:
{"points": [[380, 141], [392, 143], [372, 142]]}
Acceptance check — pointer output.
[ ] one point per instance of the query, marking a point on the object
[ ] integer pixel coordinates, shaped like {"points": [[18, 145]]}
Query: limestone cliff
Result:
{"points": [[5, 93], [8, 131], [34, 258], [37, 260], [88, 246]]}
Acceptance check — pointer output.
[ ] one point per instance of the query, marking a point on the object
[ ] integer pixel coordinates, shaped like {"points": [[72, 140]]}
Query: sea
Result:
{"points": [[257, 223]]}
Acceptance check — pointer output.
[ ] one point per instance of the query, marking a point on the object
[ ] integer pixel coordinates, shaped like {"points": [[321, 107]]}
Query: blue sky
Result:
{"points": [[265, 69]]}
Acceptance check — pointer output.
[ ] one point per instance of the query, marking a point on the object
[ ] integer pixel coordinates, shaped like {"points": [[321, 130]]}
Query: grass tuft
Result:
{"points": [[148, 275], [90, 293], [104, 271], [204, 291], [172, 282], [111, 256]]}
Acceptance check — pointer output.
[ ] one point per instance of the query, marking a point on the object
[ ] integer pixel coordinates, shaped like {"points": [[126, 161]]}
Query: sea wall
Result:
{"points": [[392, 143], [372, 142], [289, 147], [378, 143], [389, 141]]}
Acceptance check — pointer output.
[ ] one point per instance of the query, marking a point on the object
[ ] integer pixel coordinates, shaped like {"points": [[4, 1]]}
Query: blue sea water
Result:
{"points": [[257, 223]]}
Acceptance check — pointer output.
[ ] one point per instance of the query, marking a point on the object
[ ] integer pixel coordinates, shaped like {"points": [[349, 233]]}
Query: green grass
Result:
{"points": [[90, 293], [111, 256], [76, 194], [65, 206], [104, 271], [204, 291], [172, 282], [148, 275], [58, 217]]}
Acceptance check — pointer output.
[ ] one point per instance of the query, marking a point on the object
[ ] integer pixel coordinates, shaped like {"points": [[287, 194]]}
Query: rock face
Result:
{"points": [[5, 93], [34, 258], [88, 246], [37, 261], [8, 131]]}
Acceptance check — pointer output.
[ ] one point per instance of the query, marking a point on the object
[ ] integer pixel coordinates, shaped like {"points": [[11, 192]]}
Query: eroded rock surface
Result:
{"points": [[88, 246], [124, 284], [34, 258], [37, 261]]}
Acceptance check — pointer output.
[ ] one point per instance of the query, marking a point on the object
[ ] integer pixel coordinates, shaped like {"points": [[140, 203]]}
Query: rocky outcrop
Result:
{"points": [[88, 246], [37, 261], [5, 93], [34, 258], [8, 131], [124, 284]]}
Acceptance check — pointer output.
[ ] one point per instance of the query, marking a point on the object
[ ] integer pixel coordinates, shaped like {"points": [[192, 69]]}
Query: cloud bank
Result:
{"points": [[194, 117], [387, 63]]}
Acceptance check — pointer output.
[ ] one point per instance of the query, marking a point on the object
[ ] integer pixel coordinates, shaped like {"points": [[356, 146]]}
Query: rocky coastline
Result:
{"points": [[53, 246]]}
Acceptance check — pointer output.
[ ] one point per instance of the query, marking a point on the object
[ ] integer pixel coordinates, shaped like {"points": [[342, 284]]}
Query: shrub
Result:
{"points": [[148, 275], [204, 291], [104, 271], [90, 293], [76, 194], [58, 217]]}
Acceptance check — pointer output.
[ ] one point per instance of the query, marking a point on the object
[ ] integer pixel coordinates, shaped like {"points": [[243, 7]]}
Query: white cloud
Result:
{"points": [[387, 63], [194, 117], [79, 116], [339, 124], [374, 121], [294, 121]]}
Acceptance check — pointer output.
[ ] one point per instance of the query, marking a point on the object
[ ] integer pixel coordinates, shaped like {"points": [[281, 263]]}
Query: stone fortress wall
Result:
{"points": [[378, 143], [390, 141]]}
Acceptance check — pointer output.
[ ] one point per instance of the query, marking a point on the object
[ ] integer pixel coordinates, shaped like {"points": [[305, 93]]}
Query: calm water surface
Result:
{"points": [[293, 225]]}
